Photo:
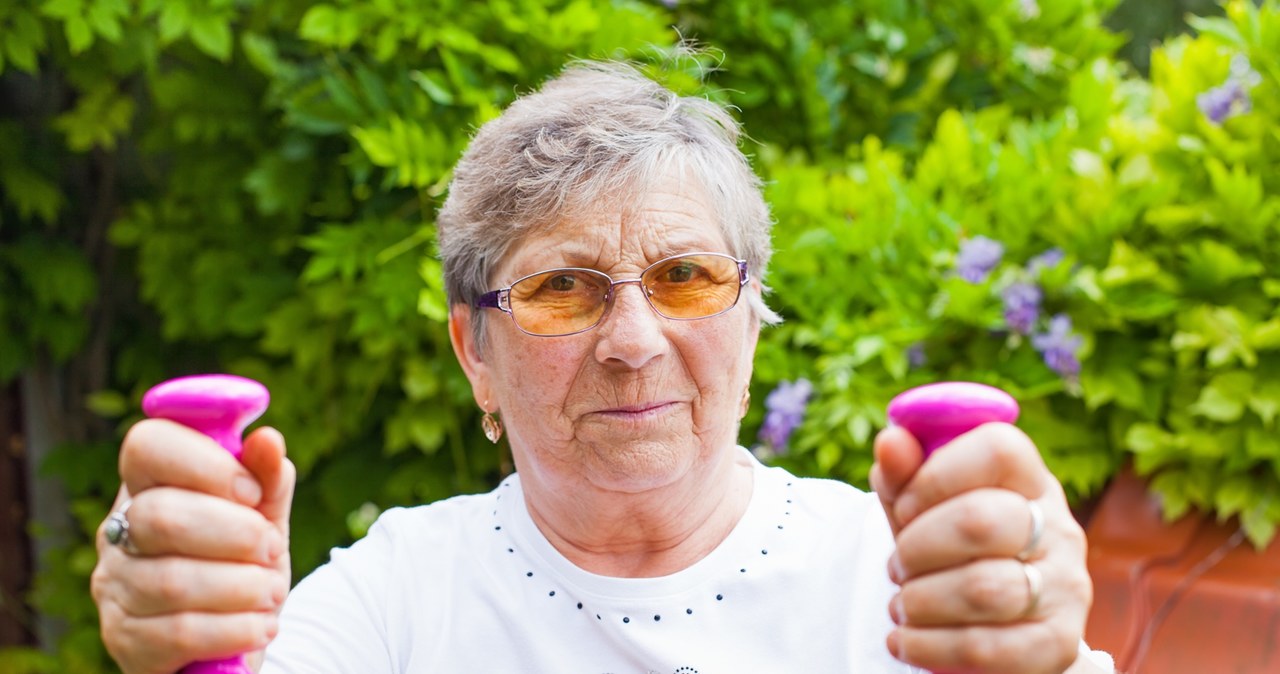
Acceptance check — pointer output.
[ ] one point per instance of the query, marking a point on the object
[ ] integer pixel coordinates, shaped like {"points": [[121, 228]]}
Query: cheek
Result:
{"points": [[535, 372]]}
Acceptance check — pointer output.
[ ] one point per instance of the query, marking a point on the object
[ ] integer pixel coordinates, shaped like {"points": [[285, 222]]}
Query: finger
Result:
{"points": [[159, 452], [992, 455], [1025, 648], [165, 643], [979, 524], [169, 521], [990, 591], [898, 456], [264, 457], [149, 586]]}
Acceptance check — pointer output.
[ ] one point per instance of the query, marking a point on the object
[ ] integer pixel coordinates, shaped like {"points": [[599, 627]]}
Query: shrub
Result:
{"points": [[1161, 199]]}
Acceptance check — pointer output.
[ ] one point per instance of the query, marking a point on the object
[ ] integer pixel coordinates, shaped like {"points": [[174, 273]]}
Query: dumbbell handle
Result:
{"points": [[220, 406]]}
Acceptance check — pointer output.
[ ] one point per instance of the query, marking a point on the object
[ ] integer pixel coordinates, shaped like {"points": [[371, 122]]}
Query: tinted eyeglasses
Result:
{"points": [[570, 300]]}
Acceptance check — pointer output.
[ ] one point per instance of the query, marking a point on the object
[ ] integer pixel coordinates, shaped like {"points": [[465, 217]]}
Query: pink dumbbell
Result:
{"points": [[938, 413], [220, 406]]}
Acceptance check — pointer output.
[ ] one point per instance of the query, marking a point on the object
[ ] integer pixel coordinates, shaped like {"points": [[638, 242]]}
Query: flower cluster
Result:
{"points": [[1060, 346], [1022, 299], [784, 410], [1231, 98], [977, 257]]}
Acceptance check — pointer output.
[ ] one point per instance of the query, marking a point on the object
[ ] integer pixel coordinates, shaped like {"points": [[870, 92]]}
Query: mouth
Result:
{"points": [[639, 411]]}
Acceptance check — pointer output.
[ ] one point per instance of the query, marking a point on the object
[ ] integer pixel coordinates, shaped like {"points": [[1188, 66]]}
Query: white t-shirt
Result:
{"points": [[470, 585]]}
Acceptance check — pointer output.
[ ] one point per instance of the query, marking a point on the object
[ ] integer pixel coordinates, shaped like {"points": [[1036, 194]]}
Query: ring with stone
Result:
{"points": [[116, 528]]}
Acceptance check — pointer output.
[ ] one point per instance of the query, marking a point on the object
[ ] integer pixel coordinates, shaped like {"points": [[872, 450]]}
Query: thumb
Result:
{"points": [[264, 456], [898, 457]]}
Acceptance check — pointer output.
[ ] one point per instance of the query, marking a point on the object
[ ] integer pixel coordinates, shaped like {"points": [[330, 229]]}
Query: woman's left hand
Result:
{"points": [[984, 586]]}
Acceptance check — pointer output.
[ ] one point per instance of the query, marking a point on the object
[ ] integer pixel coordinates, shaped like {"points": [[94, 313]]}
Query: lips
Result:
{"points": [[639, 410]]}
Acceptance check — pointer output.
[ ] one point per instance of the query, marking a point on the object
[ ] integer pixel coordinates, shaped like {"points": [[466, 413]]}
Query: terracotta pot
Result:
{"points": [[1188, 596]]}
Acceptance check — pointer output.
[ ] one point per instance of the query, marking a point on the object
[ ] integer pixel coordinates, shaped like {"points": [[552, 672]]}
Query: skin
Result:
{"points": [[623, 435], [212, 566], [625, 438]]}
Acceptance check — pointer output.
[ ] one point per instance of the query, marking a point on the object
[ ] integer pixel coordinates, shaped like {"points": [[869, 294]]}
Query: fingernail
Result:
{"points": [[894, 644], [896, 573], [279, 592], [246, 490], [270, 625], [897, 610]]}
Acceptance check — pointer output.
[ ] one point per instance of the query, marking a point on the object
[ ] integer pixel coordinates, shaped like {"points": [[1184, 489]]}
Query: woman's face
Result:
{"points": [[638, 402]]}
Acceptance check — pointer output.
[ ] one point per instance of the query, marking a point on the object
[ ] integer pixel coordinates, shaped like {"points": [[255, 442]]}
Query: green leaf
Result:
{"points": [[1225, 397], [212, 35], [175, 20], [79, 34]]}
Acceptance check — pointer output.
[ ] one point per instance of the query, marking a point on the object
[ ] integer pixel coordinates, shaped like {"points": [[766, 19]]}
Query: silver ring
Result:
{"points": [[1037, 531], [116, 529], [1035, 585]]}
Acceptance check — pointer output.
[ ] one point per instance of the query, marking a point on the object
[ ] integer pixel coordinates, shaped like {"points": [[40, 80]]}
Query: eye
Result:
{"points": [[562, 282], [681, 273]]}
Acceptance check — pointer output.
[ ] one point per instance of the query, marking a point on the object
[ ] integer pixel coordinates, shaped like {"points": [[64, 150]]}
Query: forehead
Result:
{"points": [[672, 217]]}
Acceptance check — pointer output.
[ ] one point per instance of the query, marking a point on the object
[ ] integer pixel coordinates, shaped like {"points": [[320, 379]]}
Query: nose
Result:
{"points": [[632, 332]]}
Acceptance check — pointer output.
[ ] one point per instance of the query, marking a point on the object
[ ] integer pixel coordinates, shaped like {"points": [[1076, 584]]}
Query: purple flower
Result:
{"points": [[1060, 347], [784, 410], [1231, 98], [916, 356], [1046, 260], [1022, 306], [977, 257]]}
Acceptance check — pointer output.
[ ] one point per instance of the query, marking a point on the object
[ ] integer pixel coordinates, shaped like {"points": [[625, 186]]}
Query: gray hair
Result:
{"points": [[599, 134]]}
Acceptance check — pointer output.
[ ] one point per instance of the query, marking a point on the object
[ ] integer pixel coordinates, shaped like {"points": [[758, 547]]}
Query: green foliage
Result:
{"points": [[1170, 225], [251, 187]]}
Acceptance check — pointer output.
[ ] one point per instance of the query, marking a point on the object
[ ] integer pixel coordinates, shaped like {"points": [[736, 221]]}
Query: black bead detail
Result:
{"points": [[719, 597], [553, 593], [529, 574], [579, 606], [626, 620], [688, 611]]}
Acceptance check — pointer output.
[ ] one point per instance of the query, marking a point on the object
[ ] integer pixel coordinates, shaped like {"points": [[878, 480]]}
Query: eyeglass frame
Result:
{"points": [[500, 299]]}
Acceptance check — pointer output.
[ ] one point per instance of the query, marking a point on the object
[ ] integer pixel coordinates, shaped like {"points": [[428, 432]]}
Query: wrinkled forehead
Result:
{"points": [[667, 217]]}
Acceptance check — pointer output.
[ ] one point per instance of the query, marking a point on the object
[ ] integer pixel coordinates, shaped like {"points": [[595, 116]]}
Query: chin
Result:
{"points": [[636, 467]]}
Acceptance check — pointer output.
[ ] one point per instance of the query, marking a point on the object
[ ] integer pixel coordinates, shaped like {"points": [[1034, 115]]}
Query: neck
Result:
{"points": [[647, 534]]}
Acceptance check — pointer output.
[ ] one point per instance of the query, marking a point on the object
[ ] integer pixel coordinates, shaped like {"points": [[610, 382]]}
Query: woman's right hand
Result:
{"points": [[208, 568]]}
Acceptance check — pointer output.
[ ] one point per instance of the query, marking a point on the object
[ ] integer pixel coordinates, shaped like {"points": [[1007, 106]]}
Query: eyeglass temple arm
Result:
{"points": [[743, 276], [489, 300]]}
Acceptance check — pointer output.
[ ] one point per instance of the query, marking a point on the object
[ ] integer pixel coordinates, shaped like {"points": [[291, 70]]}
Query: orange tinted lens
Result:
{"points": [[693, 286], [559, 301]]}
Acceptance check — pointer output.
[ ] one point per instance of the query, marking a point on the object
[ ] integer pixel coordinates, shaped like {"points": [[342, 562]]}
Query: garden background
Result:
{"points": [[1018, 192]]}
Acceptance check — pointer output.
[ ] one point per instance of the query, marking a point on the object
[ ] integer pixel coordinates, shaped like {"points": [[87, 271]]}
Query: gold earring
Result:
{"points": [[746, 403], [492, 427]]}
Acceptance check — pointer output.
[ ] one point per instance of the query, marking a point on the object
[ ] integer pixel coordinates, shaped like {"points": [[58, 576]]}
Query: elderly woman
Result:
{"points": [[604, 243]]}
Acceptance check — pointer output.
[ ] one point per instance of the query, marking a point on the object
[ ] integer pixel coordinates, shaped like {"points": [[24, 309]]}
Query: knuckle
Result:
{"points": [[984, 593], [977, 652], [171, 586], [184, 633], [979, 522], [99, 579]]}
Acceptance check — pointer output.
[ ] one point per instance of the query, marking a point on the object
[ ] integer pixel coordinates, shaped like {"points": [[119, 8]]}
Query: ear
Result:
{"points": [[465, 348]]}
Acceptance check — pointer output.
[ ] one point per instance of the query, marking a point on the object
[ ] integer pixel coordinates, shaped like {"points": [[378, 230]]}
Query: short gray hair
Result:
{"points": [[599, 134]]}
